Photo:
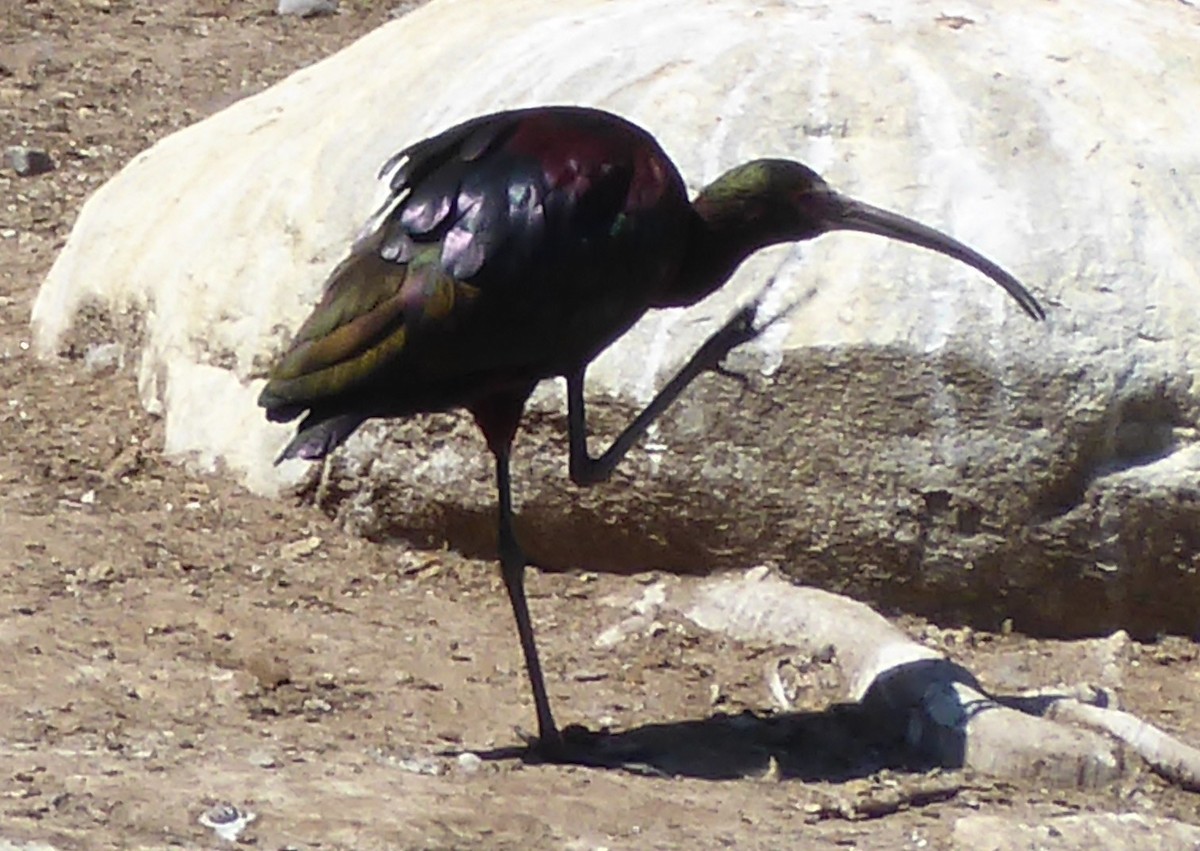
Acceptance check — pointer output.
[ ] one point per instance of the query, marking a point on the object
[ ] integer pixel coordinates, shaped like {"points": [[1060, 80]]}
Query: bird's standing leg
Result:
{"points": [[586, 470], [498, 417], [512, 568]]}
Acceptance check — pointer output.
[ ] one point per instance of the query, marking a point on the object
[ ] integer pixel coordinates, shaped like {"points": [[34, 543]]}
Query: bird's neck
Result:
{"points": [[719, 240]]}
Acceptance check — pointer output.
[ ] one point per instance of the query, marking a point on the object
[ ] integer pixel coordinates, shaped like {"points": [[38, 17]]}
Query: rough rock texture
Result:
{"points": [[908, 437]]}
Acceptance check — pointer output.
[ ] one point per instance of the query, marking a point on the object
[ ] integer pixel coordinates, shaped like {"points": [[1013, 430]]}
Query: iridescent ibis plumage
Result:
{"points": [[517, 246]]}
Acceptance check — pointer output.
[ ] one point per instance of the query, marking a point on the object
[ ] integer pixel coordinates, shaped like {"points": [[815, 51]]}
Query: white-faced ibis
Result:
{"points": [[515, 247]]}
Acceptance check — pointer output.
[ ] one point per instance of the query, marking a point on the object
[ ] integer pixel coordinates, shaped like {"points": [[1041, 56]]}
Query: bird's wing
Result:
{"points": [[472, 213], [362, 322]]}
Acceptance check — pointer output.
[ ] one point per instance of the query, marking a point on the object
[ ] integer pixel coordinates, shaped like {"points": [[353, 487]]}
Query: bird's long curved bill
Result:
{"points": [[855, 215]]}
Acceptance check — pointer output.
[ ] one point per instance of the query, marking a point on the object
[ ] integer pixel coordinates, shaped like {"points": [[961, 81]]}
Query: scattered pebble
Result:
{"points": [[307, 8], [263, 759], [773, 772], [28, 162], [316, 704], [618, 632], [300, 549], [426, 765], [104, 357], [101, 571], [226, 820], [469, 763], [588, 675], [776, 687]]}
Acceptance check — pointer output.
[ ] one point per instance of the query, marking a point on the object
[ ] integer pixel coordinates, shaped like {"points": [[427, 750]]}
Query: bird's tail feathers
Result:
{"points": [[316, 439]]}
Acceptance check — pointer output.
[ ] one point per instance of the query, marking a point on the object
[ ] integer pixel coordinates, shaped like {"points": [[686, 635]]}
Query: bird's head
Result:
{"points": [[776, 200], [765, 202]]}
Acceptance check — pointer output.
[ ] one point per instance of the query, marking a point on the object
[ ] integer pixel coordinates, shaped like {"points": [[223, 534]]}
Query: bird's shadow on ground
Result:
{"points": [[836, 744]]}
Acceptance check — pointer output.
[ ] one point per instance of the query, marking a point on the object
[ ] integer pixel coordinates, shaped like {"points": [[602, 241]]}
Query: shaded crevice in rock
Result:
{"points": [[1145, 427], [1135, 427]]}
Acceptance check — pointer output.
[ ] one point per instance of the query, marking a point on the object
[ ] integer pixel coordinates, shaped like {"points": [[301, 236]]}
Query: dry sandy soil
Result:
{"points": [[169, 642]]}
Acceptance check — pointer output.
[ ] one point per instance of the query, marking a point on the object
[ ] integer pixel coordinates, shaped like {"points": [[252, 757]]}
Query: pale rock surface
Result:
{"points": [[908, 436], [1075, 833]]}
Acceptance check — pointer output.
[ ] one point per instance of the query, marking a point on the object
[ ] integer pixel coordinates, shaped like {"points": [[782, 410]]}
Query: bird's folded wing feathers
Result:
{"points": [[369, 310]]}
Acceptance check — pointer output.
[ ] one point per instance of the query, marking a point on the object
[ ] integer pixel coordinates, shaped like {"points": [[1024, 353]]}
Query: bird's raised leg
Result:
{"points": [[586, 470]]}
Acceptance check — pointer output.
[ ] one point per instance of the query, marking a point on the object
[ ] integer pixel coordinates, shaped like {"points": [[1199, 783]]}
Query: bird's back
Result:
{"points": [[512, 247]]}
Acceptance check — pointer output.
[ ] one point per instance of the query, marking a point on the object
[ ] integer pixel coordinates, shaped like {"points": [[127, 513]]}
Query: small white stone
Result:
{"points": [[469, 763], [307, 8], [103, 357], [226, 820], [300, 549], [263, 759]]}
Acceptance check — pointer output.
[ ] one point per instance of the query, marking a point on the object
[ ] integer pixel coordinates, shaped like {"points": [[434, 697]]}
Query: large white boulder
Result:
{"points": [[909, 435]]}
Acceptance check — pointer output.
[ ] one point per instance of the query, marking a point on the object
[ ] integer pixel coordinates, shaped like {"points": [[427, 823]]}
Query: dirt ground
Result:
{"points": [[170, 642]]}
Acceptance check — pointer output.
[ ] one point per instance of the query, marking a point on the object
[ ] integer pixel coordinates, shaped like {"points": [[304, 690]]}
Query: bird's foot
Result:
{"points": [[745, 326], [577, 745], [738, 330]]}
